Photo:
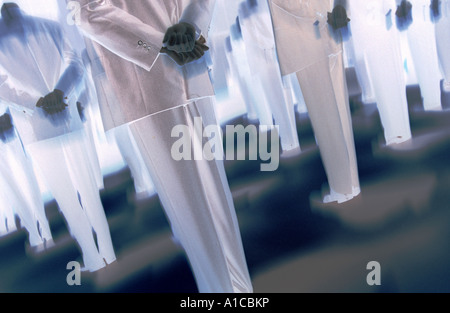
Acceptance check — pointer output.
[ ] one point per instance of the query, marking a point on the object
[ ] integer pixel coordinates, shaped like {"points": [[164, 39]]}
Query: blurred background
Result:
{"points": [[293, 242]]}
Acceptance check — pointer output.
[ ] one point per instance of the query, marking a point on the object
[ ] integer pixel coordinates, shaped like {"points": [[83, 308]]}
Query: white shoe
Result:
{"points": [[341, 198]]}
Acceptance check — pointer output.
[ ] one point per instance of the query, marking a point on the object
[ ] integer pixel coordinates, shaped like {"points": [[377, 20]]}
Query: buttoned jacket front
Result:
{"points": [[128, 36]]}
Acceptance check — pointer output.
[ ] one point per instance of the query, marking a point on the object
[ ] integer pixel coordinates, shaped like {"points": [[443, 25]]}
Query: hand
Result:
{"points": [[404, 9], [186, 57], [180, 38], [338, 17], [5, 123], [52, 103], [404, 15]]}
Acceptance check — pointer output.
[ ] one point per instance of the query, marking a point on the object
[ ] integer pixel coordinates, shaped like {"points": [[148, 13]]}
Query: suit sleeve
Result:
{"points": [[73, 75], [199, 14], [16, 98], [120, 32]]}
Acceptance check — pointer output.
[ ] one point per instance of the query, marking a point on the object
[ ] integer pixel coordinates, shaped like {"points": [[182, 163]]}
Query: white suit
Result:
{"points": [[155, 95], [422, 42], [443, 42], [305, 46], [382, 55], [36, 60], [257, 32], [106, 97]]}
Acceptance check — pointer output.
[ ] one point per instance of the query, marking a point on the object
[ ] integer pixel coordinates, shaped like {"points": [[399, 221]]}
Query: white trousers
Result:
{"points": [[130, 153], [382, 56], [422, 43], [280, 105], [68, 174], [443, 41], [7, 215], [325, 92], [196, 198], [361, 70], [22, 191]]}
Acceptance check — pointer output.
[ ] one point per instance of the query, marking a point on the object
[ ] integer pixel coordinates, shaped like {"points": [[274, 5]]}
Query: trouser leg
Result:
{"points": [[7, 216], [340, 88], [197, 201], [331, 127], [12, 172], [443, 45], [84, 182], [282, 109], [422, 42], [51, 159], [91, 150], [132, 157], [31, 193], [389, 84]]}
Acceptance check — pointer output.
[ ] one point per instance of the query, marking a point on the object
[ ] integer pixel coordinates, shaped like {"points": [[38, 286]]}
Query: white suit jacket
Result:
{"points": [[35, 59], [128, 36], [301, 33]]}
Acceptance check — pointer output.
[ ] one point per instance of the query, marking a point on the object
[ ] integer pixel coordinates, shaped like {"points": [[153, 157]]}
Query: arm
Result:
{"points": [[120, 32], [199, 13], [72, 77], [17, 99]]}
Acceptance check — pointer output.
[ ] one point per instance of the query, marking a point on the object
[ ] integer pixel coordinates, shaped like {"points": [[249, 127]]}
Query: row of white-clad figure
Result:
{"points": [[280, 53]]}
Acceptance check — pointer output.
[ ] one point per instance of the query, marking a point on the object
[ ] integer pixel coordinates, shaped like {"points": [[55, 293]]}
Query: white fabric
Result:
{"points": [[35, 59], [21, 192], [249, 87], [306, 47], [257, 32], [153, 95], [75, 191], [132, 156], [443, 40], [382, 54], [422, 42], [155, 82], [197, 200]]}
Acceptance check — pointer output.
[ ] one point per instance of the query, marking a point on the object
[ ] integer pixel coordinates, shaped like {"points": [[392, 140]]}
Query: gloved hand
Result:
{"points": [[6, 128], [404, 15], [5, 123], [404, 9], [338, 17], [180, 38], [182, 58], [52, 103], [435, 10]]}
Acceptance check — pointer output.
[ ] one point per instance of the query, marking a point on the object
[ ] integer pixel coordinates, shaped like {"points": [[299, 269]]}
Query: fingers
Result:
{"points": [[52, 103], [177, 57], [203, 47], [182, 57], [201, 40], [198, 51], [180, 38], [40, 103]]}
